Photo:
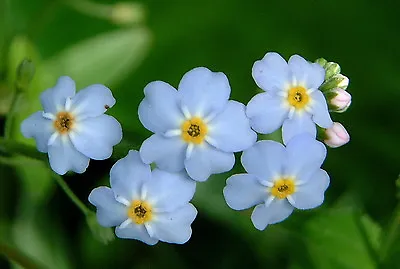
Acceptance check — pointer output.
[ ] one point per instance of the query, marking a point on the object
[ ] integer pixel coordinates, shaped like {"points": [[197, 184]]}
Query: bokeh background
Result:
{"points": [[125, 46]]}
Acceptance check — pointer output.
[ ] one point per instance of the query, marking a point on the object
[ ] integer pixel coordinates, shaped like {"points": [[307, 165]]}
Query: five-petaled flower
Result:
{"points": [[73, 128], [279, 179], [146, 205], [292, 99], [195, 128]]}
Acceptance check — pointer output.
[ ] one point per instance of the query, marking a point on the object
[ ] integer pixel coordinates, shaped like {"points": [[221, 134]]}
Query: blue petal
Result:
{"points": [[95, 137], [206, 160], [310, 194], [135, 231], [266, 112], [244, 191], [92, 101], [109, 212], [309, 74], [230, 131], [127, 176], [298, 124], [64, 157], [304, 156], [39, 128], [160, 109], [168, 191], [320, 110], [265, 160], [271, 73], [54, 99], [167, 152], [174, 227], [204, 92], [276, 211]]}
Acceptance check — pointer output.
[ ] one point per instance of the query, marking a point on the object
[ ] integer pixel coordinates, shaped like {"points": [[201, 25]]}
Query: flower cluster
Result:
{"points": [[196, 131]]}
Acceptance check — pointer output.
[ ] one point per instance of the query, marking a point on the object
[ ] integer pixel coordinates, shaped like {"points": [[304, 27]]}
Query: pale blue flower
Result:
{"points": [[146, 205], [292, 99], [279, 179], [196, 127], [73, 128]]}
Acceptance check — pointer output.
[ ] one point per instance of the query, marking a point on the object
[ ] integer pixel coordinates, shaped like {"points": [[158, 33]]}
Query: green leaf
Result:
{"points": [[105, 58]]}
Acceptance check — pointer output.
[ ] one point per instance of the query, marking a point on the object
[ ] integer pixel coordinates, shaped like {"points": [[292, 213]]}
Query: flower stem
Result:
{"points": [[392, 234], [17, 256]]}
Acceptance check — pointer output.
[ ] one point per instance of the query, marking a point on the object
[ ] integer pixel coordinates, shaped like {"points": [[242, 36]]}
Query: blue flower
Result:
{"points": [[146, 205], [292, 99], [279, 179], [196, 128], [73, 129]]}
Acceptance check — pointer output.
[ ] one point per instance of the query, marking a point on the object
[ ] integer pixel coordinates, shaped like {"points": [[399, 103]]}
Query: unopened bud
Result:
{"points": [[25, 73], [127, 13], [337, 81], [331, 69], [336, 136], [321, 61], [339, 100]]}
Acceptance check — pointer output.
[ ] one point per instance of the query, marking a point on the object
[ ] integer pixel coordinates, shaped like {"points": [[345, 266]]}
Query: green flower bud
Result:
{"points": [[331, 69], [321, 61], [25, 73], [337, 81]]}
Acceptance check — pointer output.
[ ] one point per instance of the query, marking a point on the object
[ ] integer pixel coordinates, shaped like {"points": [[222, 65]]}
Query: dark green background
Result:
{"points": [[227, 36]]}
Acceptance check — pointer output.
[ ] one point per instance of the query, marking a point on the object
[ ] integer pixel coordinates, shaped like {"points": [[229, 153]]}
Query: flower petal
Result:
{"points": [[109, 212], [39, 128], [167, 152], [311, 193], [298, 124], [304, 156], [265, 159], [54, 99], [174, 227], [244, 191], [311, 75], [230, 131], [206, 160], [204, 92], [320, 110], [135, 231], [160, 109], [64, 157], [92, 101], [276, 211], [271, 73], [168, 191], [95, 137], [266, 112], [127, 176]]}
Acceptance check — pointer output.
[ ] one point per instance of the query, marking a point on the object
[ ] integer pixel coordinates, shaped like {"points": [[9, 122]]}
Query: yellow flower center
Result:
{"points": [[194, 130], [139, 212], [283, 187], [298, 97], [64, 122]]}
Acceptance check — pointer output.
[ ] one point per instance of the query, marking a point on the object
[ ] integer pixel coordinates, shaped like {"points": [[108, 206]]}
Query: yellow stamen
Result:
{"points": [[298, 97], [64, 122], [283, 187], [140, 212], [194, 130]]}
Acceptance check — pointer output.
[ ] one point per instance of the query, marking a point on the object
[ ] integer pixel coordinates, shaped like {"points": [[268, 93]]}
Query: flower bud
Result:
{"points": [[331, 69], [336, 136], [321, 61], [25, 73], [337, 81], [339, 100]]}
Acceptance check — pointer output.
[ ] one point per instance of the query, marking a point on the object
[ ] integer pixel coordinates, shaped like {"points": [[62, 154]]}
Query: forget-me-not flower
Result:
{"points": [[292, 99], [279, 179], [146, 205], [73, 128], [196, 127]]}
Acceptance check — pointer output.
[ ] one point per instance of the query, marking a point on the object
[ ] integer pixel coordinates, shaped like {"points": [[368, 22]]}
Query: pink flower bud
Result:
{"points": [[336, 136], [341, 100]]}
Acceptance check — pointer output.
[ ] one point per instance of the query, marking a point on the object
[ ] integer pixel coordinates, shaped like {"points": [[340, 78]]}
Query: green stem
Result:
{"points": [[17, 256], [11, 114], [60, 181], [392, 234]]}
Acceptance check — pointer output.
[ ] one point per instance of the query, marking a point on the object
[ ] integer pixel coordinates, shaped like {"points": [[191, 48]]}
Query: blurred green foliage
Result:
{"points": [[357, 227]]}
